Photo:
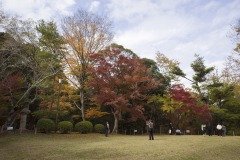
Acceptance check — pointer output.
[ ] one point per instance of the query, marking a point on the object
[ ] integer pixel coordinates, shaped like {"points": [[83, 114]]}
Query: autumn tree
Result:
{"points": [[27, 58], [85, 33], [166, 67], [182, 108], [153, 107], [120, 82]]}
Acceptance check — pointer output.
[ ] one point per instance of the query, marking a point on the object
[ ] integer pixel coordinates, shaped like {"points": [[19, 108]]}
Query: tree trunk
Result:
{"points": [[11, 118], [115, 128], [82, 103], [23, 121], [199, 90], [52, 101]]}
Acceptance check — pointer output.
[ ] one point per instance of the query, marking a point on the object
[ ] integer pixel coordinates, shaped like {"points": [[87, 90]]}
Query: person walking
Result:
{"points": [[219, 129], [209, 129], [106, 128], [149, 124], [170, 129], [224, 130], [203, 128]]}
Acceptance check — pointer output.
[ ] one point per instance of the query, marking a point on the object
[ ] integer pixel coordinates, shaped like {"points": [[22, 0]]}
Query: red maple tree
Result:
{"points": [[189, 108], [121, 82]]}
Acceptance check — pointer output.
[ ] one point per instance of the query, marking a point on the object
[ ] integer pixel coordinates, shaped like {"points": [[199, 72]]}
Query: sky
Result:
{"points": [[177, 28]]}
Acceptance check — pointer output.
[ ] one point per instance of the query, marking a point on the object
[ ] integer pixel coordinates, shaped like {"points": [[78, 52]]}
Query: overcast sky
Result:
{"points": [[177, 28]]}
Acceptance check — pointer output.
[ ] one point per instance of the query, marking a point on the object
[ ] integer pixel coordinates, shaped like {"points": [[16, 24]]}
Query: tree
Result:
{"points": [[153, 106], [200, 74], [224, 102], [232, 65], [181, 108], [85, 34], [121, 83], [167, 66], [201, 71], [27, 58]]}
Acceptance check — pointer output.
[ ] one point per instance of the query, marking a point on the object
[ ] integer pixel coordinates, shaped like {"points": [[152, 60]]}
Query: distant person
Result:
{"points": [[203, 128], [209, 129], [178, 132], [106, 128], [170, 131], [219, 129], [224, 130], [149, 124]]}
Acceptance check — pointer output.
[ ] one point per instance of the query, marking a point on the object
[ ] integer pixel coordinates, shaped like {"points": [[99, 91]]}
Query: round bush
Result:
{"points": [[65, 126], [99, 128], [84, 127], [45, 125]]}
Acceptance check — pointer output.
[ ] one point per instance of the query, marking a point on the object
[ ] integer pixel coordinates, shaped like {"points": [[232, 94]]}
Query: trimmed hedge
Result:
{"points": [[45, 125], [84, 127], [65, 126], [99, 128]]}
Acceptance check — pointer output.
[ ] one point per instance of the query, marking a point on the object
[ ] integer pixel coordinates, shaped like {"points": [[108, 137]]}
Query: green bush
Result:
{"points": [[49, 114], [45, 125], [84, 127], [65, 126], [99, 128]]}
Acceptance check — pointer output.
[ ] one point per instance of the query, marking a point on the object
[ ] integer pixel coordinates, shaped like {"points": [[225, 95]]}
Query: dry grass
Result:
{"points": [[118, 147]]}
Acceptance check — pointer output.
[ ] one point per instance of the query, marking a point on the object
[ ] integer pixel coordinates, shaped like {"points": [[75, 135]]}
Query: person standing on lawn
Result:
{"points": [[149, 124], [106, 128], [219, 129]]}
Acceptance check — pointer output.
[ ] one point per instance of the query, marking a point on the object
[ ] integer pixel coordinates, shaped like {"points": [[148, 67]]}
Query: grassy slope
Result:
{"points": [[118, 147]]}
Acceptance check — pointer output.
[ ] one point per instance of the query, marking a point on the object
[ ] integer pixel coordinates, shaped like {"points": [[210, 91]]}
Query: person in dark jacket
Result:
{"points": [[149, 124], [209, 129], [106, 128]]}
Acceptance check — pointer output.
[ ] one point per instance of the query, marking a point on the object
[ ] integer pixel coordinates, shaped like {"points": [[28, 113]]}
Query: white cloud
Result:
{"points": [[178, 29], [38, 9], [94, 6]]}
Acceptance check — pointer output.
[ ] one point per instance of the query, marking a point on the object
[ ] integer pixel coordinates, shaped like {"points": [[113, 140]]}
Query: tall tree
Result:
{"points": [[153, 107], [85, 33], [232, 65], [51, 43], [26, 57], [201, 72], [121, 83]]}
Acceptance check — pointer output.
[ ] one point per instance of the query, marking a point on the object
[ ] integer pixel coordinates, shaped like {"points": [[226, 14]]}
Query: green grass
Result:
{"points": [[118, 147]]}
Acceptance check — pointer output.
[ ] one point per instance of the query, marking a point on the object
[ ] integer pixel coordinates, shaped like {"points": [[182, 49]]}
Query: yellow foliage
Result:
{"points": [[94, 113]]}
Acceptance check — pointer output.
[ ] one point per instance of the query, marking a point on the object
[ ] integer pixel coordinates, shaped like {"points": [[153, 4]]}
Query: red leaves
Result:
{"points": [[121, 82], [189, 104], [11, 84]]}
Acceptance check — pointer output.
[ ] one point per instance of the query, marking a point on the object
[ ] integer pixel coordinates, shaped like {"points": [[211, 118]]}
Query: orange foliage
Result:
{"points": [[94, 113]]}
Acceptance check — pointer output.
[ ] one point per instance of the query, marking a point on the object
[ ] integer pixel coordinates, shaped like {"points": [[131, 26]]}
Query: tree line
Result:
{"points": [[73, 72]]}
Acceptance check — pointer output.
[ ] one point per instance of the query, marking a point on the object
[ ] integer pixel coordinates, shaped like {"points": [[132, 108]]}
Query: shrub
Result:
{"points": [[99, 128], [84, 127], [45, 125], [49, 114], [65, 126]]}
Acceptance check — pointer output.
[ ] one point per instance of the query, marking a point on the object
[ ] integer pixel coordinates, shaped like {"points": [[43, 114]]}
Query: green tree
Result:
{"points": [[28, 58]]}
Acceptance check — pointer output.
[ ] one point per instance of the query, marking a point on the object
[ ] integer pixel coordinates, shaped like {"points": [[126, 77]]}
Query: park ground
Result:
{"points": [[76, 146]]}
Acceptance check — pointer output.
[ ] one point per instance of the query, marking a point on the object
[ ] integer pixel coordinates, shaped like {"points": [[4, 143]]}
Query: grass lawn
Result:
{"points": [[118, 147]]}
